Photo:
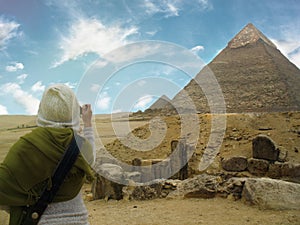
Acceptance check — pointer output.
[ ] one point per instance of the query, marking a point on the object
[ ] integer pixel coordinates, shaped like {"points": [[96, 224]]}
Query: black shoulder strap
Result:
{"points": [[34, 213]]}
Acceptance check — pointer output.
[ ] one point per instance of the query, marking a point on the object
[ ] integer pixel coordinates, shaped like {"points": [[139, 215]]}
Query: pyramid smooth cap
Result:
{"points": [[249, 34]]}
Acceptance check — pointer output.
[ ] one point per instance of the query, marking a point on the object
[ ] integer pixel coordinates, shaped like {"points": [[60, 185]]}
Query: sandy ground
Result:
{"points": [[187, 211], [283, 128]]}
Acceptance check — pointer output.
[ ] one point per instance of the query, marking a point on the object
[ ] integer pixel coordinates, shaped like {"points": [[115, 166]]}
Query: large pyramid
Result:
{"points": [[253, 74], [161, 103]]}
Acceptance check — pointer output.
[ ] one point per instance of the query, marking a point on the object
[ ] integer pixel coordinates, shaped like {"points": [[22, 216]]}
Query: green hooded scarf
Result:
{"points": [[29, 165]]}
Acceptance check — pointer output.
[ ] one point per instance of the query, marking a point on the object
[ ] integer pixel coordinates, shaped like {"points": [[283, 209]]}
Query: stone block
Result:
{"points": [[264, 147], [291, 171], [275, 170], [273, 194], [235, 164], [258, 167]]}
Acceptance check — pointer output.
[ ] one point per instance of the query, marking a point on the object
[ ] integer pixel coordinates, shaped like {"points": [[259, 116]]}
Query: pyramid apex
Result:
{"points": [[249, 34], [160, 103]]}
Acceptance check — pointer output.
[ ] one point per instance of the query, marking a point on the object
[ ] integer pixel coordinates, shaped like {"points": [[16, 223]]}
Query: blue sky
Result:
{"points": [[51, 41]]}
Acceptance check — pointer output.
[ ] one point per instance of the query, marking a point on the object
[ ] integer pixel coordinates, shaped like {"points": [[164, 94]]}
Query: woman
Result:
{"points": [[31, 161]]}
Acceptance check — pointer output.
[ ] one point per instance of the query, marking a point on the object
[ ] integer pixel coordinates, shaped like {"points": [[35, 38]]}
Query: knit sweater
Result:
{"points": [[72, 212]]}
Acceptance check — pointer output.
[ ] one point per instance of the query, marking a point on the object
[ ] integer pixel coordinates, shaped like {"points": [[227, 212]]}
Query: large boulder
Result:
{"points": [[265, 148], [269, 193]]}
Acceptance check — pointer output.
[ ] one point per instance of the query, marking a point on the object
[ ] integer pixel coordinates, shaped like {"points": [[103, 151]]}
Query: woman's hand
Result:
{"points": [[87, 114]]}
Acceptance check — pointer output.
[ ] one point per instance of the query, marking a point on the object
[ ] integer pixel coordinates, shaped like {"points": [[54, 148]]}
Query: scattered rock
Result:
{"points": [[258, 167], [201, 186], [232, 188], [269, 193], [236, 164], [139, 192], [265, 148]]}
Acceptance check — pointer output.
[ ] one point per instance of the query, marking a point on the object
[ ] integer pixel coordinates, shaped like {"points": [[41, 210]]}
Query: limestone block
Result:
{"points": [[275, 170], [258, 167], [269, 193], [236, 164]]}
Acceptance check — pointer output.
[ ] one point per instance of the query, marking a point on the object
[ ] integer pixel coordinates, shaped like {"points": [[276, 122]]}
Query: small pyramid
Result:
{"points": [[253, 74], [249, 34], [160, 103]]}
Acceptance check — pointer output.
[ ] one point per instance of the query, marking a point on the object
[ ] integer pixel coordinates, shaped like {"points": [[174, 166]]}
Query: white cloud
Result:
{"points": [[295, 57], [70, 84], [143, 102], [141, 83], [91, 35], [3, 110], [173, 11], [290, 48], [103, 101], [168, 8], [287, 40], [205, 5], [38, 87], [152, 33], [171, 8], [23, 98], [132, 52], [95, 88], [14, 67], [8, 30], [197, 49], [21, 78]]}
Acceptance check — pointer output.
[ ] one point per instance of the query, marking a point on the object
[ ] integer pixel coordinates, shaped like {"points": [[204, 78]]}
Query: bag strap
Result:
{"points": [[35, 211]]}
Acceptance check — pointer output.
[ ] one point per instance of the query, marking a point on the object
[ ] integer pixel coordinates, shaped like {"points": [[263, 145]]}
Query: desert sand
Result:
{"points": [[283, 128]]}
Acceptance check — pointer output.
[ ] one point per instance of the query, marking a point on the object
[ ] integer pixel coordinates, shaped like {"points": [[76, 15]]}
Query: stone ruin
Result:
{"points": [[268, 159], [109, 173], [271, 182]]}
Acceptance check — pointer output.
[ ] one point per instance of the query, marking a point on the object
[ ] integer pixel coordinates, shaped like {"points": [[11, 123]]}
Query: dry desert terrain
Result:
{"points": [[283, 128]]}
